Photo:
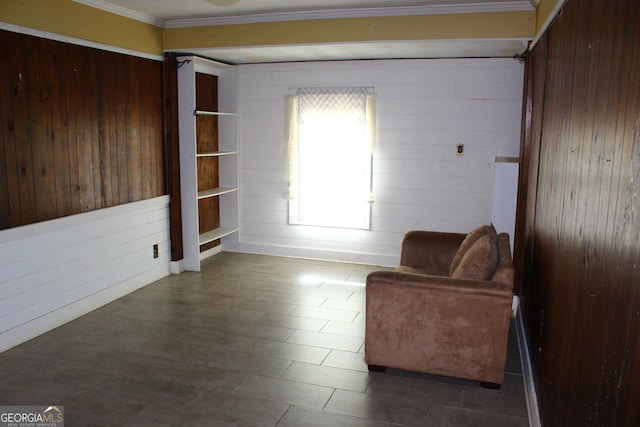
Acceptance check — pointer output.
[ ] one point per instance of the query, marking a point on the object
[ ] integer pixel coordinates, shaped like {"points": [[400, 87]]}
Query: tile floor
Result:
{"points": [[251, 341]]}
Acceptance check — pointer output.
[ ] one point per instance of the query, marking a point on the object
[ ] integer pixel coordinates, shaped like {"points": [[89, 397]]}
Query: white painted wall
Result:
{"points": [[55, 271], [424, 108]]}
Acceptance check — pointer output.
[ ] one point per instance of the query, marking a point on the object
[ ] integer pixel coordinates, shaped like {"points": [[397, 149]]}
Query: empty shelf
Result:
{"points": [[212, 192], [215, 234]]}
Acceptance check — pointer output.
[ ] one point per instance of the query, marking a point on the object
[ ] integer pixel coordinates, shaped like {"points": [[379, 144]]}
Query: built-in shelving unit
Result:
{"points": [[208, 101]]}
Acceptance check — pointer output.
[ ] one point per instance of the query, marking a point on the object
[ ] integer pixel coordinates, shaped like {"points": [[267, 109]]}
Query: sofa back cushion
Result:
{"points": [[504, 271], [479, 261], [468, 242]]}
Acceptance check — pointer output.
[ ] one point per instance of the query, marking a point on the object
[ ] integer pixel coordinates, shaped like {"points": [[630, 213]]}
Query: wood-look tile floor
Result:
{"points": [[250, 341]]}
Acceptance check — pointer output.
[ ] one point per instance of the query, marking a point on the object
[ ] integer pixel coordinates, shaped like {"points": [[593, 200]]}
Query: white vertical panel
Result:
{"points": [[424, 108], [56, 271], [505, 196]]}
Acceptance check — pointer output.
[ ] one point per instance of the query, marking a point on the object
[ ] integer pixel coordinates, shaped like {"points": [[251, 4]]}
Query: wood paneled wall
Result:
{"points": [[581, 239], [81, 129]]}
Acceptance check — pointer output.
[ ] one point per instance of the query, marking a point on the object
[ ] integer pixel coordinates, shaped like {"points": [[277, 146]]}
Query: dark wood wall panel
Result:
{"points": [[82, 129], [580, 244], [172, 150]]}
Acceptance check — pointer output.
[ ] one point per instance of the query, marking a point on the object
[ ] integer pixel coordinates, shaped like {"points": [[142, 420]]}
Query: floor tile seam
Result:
{"points": [[239, 305], [304, 317], [231, 324], [249, 350], [368, 418], [196, 406], [283, 415], [235, 389], [327, 348], [332, 309], [292, 315], [249, 372], [240, 287], [389, 396], [327, 402], [89, 365], [320, 318], [334, 333], [323, 385], [356, 309], [355, 417], [498, 411], [277, 299], [480, 411]]}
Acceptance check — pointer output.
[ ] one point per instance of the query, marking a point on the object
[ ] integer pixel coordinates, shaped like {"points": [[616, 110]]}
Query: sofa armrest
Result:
{"points": [[430, 251]]}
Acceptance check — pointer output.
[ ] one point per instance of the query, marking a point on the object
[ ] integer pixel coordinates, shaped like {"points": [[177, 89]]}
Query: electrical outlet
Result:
{"points": [[155, 250], [460, 150]]}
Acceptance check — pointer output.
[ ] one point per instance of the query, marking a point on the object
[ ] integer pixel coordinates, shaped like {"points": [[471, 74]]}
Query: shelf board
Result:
{"points": [[212, 113], [215, 234], [212, 192], [216, 153]]}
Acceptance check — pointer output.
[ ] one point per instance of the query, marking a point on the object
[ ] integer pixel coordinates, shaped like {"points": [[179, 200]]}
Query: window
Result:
{"points": [[330, 134]]}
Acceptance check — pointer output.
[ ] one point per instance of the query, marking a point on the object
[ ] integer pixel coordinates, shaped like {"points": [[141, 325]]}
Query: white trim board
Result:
{"points": [[529, 385], [318, 254], [363, 12], [515, 6], [122, 11], [80, 42]]}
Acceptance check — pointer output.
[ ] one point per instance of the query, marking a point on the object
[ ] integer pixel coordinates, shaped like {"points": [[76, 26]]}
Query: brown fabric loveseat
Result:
{"points": [[446, 309]]}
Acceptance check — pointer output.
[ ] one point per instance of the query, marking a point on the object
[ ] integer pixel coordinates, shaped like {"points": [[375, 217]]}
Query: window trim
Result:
{"points": [[292, 135]]}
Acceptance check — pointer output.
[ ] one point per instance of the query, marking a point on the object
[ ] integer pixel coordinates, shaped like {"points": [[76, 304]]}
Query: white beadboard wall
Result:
{"points": [[55, 271], [424, 108]]}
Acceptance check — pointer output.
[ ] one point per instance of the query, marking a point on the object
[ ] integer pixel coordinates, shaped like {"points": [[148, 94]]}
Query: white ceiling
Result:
{"points": [[186, 13]]}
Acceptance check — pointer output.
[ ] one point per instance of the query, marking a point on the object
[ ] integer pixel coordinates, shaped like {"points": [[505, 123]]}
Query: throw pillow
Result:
{"points": [[469, 240], [479, 262]]}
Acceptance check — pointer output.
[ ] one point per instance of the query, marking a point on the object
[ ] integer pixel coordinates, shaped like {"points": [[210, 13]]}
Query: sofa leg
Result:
{"points": [[490, 386], [377, 368]]}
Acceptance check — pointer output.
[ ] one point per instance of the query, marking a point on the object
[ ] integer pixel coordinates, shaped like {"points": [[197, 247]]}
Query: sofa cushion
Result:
{"points": [[469, 240], [504, 271], [479, 262]]}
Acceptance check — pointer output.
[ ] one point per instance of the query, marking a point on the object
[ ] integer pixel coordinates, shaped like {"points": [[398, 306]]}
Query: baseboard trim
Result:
{"points": [[529, 386], [43, 324], [319, 254], [210, 252], [176, 267]]}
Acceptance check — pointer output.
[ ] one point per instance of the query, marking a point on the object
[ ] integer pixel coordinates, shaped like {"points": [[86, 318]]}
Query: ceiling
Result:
{"points": [[190, 13]]}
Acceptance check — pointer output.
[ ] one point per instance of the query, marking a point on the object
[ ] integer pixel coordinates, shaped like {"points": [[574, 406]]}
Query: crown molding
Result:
{"points": [[512, 6], [74, 40], [515, 6], [122, 11], [547, 23]]}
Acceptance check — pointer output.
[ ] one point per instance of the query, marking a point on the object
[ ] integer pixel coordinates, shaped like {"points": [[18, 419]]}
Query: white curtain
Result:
{"points": [[291, 144], [328, 120]]}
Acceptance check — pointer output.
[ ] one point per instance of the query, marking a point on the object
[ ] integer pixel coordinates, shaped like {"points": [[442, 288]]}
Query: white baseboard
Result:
{"points": [[210, 252], [176, 267], [529, 386], [52, 272], [54, 319], [319, 254]]}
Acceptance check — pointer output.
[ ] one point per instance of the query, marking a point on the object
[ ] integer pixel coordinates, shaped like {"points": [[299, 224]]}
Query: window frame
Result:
{"points": [[295, 140]]}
